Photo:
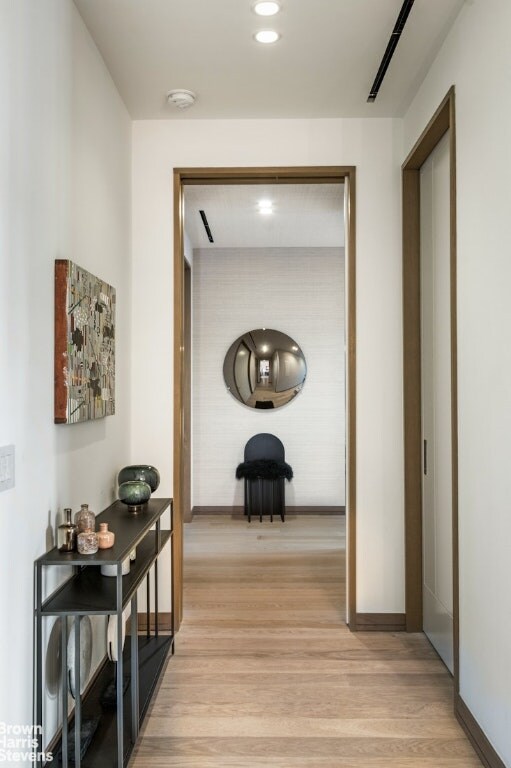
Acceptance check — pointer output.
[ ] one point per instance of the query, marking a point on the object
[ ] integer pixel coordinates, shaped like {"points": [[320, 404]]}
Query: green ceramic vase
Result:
{"points": [[144, 472], [134, 493]]}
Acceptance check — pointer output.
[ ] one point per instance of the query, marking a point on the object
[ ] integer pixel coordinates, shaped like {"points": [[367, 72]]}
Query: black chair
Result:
{"points": [[264, 471]]}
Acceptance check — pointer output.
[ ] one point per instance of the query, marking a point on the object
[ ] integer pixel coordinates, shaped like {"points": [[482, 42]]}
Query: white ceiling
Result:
{"points": [[305, 215], [323, 66]]}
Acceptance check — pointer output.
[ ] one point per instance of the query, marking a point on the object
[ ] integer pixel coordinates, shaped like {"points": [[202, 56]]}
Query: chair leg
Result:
{"points": [[258, 491], [248, 500]]}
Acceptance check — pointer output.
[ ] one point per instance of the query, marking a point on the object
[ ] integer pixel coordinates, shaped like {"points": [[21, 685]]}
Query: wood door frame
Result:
{"points": [[186, 446], [442, 121], [284, 175]]}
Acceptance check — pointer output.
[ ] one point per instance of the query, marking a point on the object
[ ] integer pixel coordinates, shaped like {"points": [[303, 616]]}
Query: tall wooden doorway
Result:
{"points": [[291, 175], [442, 122]]}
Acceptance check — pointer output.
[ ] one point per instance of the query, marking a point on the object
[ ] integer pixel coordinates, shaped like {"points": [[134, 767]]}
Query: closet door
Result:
{"points": [[436, 402]]}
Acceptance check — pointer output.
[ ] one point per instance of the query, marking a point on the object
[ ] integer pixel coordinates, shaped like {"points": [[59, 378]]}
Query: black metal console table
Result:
{"points": [[87, 592]]}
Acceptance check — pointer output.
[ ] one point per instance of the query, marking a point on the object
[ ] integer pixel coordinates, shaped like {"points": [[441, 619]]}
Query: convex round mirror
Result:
{"points": [[264, 368]]}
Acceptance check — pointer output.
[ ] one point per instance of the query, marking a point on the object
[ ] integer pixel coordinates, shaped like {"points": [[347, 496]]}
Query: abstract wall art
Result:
{"points": [[84, 345]]}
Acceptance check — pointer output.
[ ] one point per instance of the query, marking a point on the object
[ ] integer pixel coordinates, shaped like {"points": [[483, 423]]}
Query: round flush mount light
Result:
{"points": [[267, 36], [267, 8], [181, 98]]}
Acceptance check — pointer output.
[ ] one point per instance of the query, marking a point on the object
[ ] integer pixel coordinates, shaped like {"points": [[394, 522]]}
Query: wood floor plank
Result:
{"points": [[283, 702], [312, 748], [266, 673], [335, 666], [226, 761], [341, 681], [311, 724]]}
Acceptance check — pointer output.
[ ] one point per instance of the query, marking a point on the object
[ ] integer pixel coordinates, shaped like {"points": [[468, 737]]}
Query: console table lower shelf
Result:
{"points": [[100, 702]]}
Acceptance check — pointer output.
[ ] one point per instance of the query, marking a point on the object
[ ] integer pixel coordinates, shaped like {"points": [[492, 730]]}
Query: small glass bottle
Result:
{"points": [[87, 542], [85, 518], [106, 538], [66, 533]]}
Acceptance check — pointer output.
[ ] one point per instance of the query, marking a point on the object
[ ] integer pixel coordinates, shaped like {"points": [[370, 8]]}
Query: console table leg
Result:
{"points": [[63, 656], [135, 707], [148, 606], [120, 673], [156, 598], [78, 695], [38, 661]]}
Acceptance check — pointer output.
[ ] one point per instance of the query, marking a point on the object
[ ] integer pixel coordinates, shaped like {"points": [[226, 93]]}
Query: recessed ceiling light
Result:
{"points": [[267, 36], [267, 8], [265, 206]]}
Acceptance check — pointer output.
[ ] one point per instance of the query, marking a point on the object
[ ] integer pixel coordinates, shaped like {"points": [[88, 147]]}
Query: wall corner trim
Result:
{"points": [[475, 733]]}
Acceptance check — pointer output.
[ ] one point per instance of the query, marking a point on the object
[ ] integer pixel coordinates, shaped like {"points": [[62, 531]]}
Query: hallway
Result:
{"points": [[267, 675]]}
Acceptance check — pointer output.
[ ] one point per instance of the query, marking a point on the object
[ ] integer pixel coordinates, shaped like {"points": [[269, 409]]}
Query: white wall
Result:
{"points": [[374, 146], [187, 248], [299, 291], [65, 192], [476, 58]]}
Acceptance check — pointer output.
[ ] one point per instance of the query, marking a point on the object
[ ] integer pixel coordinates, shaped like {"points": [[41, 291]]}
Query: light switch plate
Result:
{"points": [[6, 467]]}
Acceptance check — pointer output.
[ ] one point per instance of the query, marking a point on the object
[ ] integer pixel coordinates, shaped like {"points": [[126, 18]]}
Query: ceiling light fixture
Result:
{"points": [[267, 8], [206, 226], [265, 206], [391, 47], [181, 98], [267, 36]]}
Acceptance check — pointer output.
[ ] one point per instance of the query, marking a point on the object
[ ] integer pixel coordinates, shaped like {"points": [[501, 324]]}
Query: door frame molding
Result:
{"points": [[442, 121], [281, 175]]}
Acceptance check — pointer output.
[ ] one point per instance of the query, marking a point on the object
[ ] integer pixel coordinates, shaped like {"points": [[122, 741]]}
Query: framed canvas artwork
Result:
{"points": [[84, 345]]}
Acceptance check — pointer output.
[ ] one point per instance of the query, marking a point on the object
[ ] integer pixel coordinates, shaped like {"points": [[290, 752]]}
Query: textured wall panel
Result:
{"points": [[299, 291]]}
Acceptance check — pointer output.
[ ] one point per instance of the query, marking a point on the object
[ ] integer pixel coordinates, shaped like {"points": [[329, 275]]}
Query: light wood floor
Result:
{"points": [[266, 674]]}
